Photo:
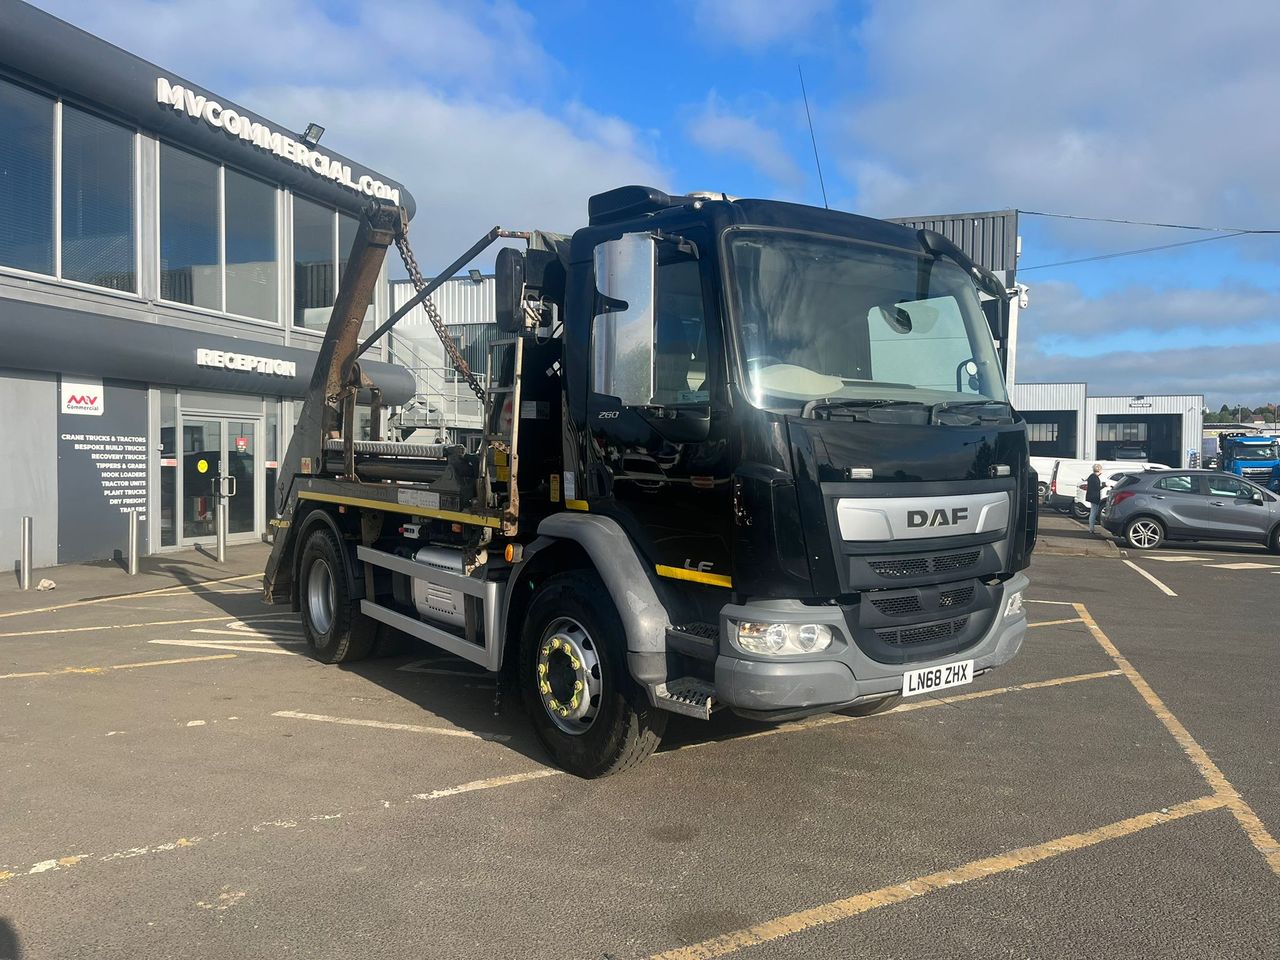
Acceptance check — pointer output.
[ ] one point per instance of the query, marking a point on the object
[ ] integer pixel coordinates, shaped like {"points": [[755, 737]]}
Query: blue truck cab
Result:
{"points": [[1252, 457]]}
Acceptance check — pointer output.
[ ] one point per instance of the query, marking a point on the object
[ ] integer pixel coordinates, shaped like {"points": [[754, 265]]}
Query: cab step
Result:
{"points": [[687, 695]]}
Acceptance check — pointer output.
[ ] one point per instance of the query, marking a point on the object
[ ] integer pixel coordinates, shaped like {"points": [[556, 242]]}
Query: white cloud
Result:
{"points": [[718, 129], [1146, 109], [757, 24]]}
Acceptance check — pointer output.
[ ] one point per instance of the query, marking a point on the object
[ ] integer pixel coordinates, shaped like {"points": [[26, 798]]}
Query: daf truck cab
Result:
{"points": [[742, 454]]}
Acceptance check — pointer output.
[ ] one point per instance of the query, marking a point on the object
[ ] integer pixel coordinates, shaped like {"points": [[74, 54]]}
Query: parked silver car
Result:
{"points": [[1146, 509]]}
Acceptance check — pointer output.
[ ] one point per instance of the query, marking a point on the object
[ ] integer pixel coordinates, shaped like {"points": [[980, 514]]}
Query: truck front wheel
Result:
{"points": [[335, 628], [585, 708]]}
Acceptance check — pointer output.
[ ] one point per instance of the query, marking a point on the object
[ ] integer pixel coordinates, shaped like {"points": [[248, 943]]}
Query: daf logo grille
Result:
{"points": [[937, 518], [881, 519]]}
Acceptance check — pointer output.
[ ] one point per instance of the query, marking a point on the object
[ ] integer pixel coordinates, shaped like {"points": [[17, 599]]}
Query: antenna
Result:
{"points": [[812, 138]]}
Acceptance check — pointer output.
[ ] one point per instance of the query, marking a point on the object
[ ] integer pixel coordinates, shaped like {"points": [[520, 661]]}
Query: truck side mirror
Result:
{"points": [[622, 333], [509, 290]]}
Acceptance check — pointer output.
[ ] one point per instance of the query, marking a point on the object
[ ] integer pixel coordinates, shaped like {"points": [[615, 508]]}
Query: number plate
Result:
{"points": [[929, 679]]}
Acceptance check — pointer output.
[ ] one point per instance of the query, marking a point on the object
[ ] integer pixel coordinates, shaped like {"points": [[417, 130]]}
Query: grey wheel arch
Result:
{"points": [[583, 539]]}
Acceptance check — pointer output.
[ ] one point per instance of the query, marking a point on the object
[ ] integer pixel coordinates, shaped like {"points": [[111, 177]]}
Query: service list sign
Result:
{"points": [[102, 468]]}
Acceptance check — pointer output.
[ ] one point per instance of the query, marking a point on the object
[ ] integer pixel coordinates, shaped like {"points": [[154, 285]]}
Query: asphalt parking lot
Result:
{"points": [[178, 779]]}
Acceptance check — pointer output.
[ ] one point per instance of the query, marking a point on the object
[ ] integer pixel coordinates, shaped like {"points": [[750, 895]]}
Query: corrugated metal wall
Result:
{"points": [[460, 300], [989, 238], [1048, 396]]}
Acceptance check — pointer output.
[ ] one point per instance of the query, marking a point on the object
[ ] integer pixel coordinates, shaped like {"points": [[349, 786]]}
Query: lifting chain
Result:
{"points": [[450, 347]]}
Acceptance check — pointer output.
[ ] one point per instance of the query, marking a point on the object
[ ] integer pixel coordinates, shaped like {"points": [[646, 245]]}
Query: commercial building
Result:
{"points": [[168, 259], [1063, 421]]}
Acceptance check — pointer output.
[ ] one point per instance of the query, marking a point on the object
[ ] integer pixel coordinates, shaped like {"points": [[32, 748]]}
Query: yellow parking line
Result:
{"points": [[114, 666], [838, 910], [1054, 623], [1222, 787], [159, 591]]}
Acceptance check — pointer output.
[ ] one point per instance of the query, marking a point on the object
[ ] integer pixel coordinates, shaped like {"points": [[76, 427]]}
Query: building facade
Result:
{"points": [[168, 260], [1063, 421]]}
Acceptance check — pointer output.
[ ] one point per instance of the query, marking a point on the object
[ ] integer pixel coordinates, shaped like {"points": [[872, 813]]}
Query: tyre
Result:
{"points": [[1144, 533], [1042, 491], [871, 708], [1079, 510], [1273, 541], [585, 708], [337, 632]]}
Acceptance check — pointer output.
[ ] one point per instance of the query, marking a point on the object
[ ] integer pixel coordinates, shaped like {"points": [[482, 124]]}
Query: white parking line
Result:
{"points": [[1247, 565], [247, 645], [383, 725], [1163, 589]]}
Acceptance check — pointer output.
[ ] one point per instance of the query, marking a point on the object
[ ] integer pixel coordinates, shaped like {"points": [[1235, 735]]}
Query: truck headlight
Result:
{"points": [[1013, 606], [782, 639]]}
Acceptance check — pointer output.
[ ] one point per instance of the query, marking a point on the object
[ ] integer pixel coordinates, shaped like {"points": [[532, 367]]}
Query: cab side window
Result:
{"points": [[680, 336], [1176, 484]]}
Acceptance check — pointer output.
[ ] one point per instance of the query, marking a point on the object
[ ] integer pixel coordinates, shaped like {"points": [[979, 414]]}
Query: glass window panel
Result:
{"points": [[251, 246], [26, 179], [313, 266], [190, 271], [97, 201]]}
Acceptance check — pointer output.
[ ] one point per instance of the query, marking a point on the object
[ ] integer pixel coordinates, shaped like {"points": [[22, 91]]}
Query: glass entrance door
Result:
{"points": [[219, 450]]}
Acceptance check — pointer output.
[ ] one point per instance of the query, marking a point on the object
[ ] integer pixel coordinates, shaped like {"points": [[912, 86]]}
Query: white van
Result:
{"points": [[1069, 474], [1043, 466]]}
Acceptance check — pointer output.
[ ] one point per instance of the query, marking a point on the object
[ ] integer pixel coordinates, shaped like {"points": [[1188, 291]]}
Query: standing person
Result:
{"points": [[1093, 494]]}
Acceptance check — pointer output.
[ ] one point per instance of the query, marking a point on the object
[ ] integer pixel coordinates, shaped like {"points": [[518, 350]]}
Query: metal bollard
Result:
{"points": [[220, 524], [133, 543], [24, 577]]}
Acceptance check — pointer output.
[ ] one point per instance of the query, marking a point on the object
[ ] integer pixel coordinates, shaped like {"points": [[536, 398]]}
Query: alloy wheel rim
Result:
{"points": [[568, 676], [1144, 534]]}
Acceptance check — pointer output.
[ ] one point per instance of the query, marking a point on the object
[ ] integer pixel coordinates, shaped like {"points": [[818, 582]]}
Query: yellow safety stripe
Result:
{"points": [[577, 505], [696, 576], [402, 508]]}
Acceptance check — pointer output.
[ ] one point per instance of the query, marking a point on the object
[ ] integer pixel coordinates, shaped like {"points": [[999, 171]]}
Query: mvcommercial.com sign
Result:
{"points": [[213, 113], [83, 398]]}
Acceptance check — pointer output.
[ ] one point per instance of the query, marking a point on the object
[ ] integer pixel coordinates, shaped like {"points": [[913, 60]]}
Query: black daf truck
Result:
{"points": [[738, 454]]}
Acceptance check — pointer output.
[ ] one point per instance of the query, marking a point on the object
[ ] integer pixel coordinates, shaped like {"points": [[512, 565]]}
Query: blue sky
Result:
{"points": [[515, 112]]}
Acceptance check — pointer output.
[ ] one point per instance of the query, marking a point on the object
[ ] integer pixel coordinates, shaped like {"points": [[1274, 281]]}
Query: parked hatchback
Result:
{"points": [[1148, 508]]}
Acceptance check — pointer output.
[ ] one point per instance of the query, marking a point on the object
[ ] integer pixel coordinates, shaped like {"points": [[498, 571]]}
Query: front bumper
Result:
{"points": [[782, 688]]}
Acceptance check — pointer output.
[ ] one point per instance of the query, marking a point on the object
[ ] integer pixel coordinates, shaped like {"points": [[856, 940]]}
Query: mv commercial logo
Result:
{"points": [[937, 518], [82, 398]]}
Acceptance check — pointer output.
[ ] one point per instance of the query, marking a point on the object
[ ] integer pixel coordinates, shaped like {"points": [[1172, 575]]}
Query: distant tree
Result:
{"points": [[1225, 413]]}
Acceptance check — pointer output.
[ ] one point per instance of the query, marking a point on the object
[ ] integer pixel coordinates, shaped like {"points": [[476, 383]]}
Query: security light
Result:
{"points": [[475, 275], [312, 134]]}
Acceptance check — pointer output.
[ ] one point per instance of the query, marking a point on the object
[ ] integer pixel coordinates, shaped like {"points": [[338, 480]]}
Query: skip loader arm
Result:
{"points": [[334, 382]]}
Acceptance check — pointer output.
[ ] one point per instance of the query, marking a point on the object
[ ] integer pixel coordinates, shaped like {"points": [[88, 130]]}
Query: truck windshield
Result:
{"points": [[1255, 451], [823, 318]]}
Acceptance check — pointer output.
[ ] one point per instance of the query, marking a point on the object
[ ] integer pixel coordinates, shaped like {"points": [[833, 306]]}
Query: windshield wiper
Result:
{"points": [[946, 406], [853, 403]]}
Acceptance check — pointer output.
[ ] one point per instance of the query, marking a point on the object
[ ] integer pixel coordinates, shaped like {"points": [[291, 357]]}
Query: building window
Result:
{"points": [[26, 179], [190, 264], [1042, 432], [314, 285], [252, 284], [1121, 432], [97, 202], [168, 467]]}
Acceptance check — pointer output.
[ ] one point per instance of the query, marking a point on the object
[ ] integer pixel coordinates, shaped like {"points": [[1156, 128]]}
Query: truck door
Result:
{"points": [[659, 460]]}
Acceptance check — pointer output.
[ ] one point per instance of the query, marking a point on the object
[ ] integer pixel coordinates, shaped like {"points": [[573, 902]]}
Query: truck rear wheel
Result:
{"points": [[336, 630], [584, 706]]}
